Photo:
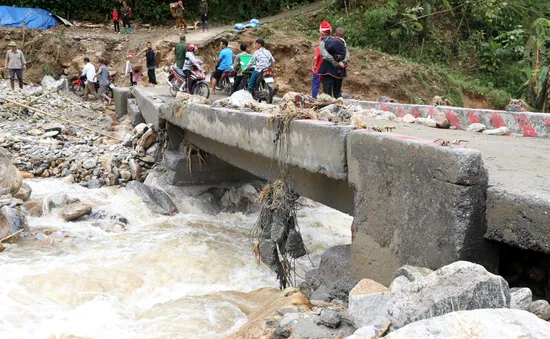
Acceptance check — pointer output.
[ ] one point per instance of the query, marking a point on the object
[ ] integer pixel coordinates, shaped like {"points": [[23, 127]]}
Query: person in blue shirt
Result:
{"points": [[225, 63]]}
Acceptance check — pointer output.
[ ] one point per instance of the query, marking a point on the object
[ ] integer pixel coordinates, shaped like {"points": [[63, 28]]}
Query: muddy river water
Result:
{"points": [[164, 277]]}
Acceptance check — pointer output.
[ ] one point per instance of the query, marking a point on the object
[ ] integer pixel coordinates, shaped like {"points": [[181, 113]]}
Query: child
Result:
{"points": [[116, 20], [134, 71]]}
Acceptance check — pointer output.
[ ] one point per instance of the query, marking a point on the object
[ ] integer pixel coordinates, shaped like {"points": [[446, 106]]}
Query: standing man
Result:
{"points": [[262, 60], [15, 63], [225, 63], [180, 51], [103, 76], [126, 12], [179, 17], [151, 64], [203, 10], [89, 72], [238, 69], [334, 72]]}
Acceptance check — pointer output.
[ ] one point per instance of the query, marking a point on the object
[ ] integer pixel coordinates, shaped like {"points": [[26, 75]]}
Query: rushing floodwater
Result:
{"points": [[164, 277]]}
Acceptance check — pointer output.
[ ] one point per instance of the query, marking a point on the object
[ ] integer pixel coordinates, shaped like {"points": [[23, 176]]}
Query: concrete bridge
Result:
{"points": [[414, 202]]}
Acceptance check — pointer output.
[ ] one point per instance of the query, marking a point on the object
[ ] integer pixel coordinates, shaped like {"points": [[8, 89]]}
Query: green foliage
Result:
{"points": [[263, 32], [157, 11], [493, 40]]}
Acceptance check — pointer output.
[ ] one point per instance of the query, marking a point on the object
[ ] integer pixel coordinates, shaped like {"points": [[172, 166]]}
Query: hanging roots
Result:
{"points": [[276, 238], [190, 149], [290, 112]]}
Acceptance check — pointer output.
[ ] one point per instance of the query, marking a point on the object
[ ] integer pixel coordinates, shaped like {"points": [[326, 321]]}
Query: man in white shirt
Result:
{"points": [[89, 72]]}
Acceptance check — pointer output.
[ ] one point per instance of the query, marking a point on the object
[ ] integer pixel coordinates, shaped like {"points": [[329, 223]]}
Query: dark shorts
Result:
{"points": [[16, 71], [204, 17], [218, 74]]}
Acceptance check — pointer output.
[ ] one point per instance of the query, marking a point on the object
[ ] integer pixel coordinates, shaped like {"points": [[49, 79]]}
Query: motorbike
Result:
{"points": [[80, 82], [263, 89], [177, 81], [225, 82]]}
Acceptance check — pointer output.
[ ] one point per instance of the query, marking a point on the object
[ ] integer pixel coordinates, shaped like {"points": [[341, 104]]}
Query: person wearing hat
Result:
{"points": [[333, 73], [15, 63], [326, 30]]}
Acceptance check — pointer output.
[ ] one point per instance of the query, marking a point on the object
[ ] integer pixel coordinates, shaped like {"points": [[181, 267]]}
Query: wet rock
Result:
{"points": [[47, 241], [125, 175], [57, 200], [268, 253], [368, 302], [330, 318], [399, 283], [497, 131], [295, 244], [75, 211], [278, 232], [15, 220], [24, 192], [485, 323], [520, 298], [94, 183], [476, 127], [459, 286], [33, 208], [10, 177], [409, 118], [155, 199], [541, 309], [4, 226]]}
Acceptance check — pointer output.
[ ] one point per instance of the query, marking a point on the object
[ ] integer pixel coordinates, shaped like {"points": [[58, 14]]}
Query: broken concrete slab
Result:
{"points": [[416, 203], [132, 108], [253, 132], [121, 96], [518, 219]]}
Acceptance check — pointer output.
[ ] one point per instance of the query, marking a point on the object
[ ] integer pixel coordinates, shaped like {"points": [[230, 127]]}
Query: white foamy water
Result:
{"points": [[165, 277]]}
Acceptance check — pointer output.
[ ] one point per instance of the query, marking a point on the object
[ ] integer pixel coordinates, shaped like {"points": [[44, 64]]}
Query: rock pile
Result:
{"points": [[13, 194], [41, 147], [460, 300]]}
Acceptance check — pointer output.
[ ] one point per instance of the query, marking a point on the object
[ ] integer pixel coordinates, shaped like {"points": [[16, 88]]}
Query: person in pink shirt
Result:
{"points": [[316, 82], [116, 20]]}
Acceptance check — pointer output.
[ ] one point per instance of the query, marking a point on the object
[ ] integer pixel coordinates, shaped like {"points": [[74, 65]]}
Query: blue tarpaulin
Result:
{"points": [[34, 18], [253, 23]]}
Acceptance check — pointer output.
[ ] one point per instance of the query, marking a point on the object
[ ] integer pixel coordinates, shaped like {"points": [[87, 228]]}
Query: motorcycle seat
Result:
{"points": [[179, 71]]}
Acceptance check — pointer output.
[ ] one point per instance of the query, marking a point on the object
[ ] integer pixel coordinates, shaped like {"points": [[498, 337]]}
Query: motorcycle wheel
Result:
{"points": [[78, 90], [226, 85], [173, 85], [265, 93], [202, 89]]}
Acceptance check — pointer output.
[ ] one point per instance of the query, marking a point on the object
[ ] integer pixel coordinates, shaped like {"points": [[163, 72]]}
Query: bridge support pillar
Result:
{"points": [[416, 203]]}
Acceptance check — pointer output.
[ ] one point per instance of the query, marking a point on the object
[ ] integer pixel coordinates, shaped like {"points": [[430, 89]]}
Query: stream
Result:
{"points": [[164, 277]]}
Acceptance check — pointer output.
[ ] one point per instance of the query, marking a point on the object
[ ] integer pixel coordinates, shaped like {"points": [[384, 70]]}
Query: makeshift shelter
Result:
{"points": [[32, 18]]}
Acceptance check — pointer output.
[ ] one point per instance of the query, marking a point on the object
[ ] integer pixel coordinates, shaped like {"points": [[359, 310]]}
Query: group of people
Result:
{"points": [[90, 76], [177, 9], [330, 61], [126, 12], [261, 60]]}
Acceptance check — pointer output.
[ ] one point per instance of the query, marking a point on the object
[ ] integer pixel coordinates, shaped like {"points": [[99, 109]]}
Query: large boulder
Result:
{"points": [[24, 192], [368, 302], [334, 278], [10, 177], [154, 198], [486, 324], [459, 286], [76, 210], [11, 221]]}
